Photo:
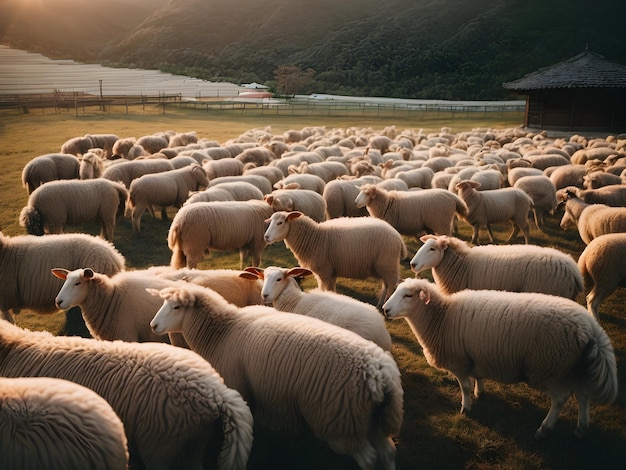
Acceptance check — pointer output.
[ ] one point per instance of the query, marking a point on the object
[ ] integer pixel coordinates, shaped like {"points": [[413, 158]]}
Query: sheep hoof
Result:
{"points": [[541, 434], [580, 433]]}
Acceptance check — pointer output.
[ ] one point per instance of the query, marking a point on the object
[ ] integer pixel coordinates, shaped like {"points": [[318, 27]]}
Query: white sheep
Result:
{"points": [[340, 195], [281, 289], [174, 405], [592, 220], [77, 145], [353, 247], [413, 213], [598, 179], [552, 343], [417, 178], [235, 191], [153, 143], [49, 167], [26, 261], [113, 307], [297, 373], [294, 199], [126, 171], [224, 167], [304, 180], [327, 170], [168, 188], [223, 225], [496, 205], [261, 182], [603, 269], [613, 195], [182, 139], [122, 148], [543, 193], [514, 174], [50, 423], [104, 142], [272, 173], [517, 268], [91, 166], [567, 175], [56, 204]]}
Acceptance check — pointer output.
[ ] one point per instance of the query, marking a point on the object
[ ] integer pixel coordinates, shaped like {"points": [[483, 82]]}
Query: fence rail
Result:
{"points": [[80, 102]]}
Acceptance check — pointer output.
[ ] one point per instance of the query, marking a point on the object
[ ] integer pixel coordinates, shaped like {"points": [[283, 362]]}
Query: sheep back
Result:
{"points": [[49, 167]]}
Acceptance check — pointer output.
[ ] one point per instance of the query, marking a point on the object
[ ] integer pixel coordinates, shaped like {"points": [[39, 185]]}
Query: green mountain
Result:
{"points": [[440, 49]]}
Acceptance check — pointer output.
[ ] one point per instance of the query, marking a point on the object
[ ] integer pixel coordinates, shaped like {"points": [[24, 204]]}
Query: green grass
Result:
{"points": [[499, 431]]}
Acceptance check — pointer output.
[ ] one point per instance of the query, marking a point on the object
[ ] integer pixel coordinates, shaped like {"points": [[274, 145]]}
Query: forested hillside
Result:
{"points": [[439, 49]]}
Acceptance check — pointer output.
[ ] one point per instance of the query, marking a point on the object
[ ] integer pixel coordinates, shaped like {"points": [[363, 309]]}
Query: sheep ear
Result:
{"points": [[299, 272], [294, 215], [425, 238], [443, 242], [249, 276], [151, 291], [474, 184], [425, 296], [60, 273], [88, 273], [254, 270], [269, 199]]}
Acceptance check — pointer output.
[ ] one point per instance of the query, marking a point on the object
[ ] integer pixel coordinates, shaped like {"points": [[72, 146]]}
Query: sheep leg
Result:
{"points": [[466, 386], [479, 387], [491, 239], [475, 231], [557, 400], [583, 415], [596, 296], [385, 448], [360, 450]]}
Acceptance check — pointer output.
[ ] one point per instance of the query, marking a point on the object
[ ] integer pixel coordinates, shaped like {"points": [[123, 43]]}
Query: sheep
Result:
{"points": [[497, 205], [26, 260], [113, 307], [182, 139], [342, 388], [327, 170], [304, 180], [55, 204], [223, 225], [52, 423], [592, 220], [281, 289], [272, 173], [168, 188], [173, 403], [598, 179], [125, 172], [413, 212], [104, 142], [613, 195], [294, 199], [417, 178], [516, 268], [552, 343], [77, 145], [91, 166], [223, 167], [260, 156], [259, 181], [602, 266], [543, 193], [123, 147], [340, 195], [567, 175], [49, 167], [236, 191], [353, 247], [153, 143], [488, 179]]}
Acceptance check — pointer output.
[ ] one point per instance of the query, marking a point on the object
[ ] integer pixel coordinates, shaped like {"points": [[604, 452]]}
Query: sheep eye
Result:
{"points": [[176, 307], [408, 296], [77, 284]]}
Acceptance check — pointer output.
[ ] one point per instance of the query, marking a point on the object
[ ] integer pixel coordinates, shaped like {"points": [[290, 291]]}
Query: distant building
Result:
{"points": [[586, 92]]}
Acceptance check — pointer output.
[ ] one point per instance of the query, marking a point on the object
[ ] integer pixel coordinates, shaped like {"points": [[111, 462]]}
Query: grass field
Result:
{"points": [[499, 431]]}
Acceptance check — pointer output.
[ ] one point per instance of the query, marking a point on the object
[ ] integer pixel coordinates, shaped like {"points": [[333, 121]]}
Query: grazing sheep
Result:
{"points": [[592, 220], [104, 142], [125, 172], [174, 405], [224, 225], [153, 143], [259, 181], [567, 175], [122, 148], [516, 268], [413, 212], [304, 181], [281, 289], [543, 193], [49, 167], [613, 195], [91, 166], [273, 174], [113, 307], [353, 247], [168, 188], [603, 269], [224, 167], [552, 343], [516, 173], [260, 156], [52, 423], [77, 145], [497, 205], [182, 139], [56, 204], [327, 170], [294, 199], [237, 191], [26, 261], [342, 388], [417, 178], [340, 195], [598, 179]]}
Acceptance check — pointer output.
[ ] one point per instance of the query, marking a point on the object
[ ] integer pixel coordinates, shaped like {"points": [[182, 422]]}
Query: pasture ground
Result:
{"points": [[499, 431]]}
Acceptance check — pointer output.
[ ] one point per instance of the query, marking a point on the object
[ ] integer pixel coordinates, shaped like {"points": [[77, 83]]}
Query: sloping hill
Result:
{"points": [[444, 49]]}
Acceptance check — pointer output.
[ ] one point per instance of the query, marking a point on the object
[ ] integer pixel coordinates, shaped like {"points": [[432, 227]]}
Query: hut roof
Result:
{"points": [[585, 70]]}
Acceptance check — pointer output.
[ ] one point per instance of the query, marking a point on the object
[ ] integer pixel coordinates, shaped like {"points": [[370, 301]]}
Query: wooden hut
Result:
{"points": [[586, 92]]}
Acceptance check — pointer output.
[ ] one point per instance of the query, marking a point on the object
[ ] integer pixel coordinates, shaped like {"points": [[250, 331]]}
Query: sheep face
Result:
{"points": [[278, 228], [169, 318], [75, 287], [276, 280], [366, 194], [410, 295], [430, 254]]}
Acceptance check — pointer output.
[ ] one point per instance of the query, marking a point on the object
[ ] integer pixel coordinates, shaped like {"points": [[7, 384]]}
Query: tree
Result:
{"points": [[291, 79]]}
